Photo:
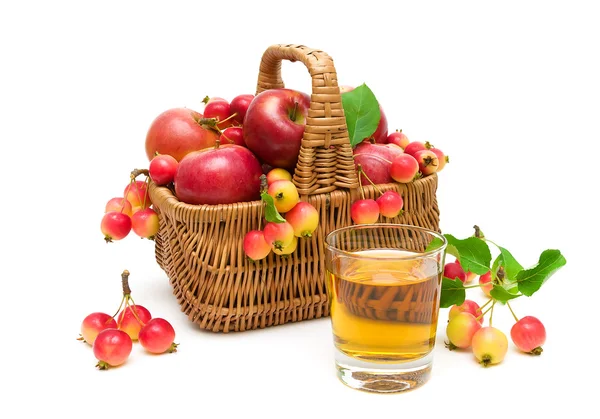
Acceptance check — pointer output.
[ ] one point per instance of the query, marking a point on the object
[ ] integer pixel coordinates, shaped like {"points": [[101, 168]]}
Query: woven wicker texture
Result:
{"points": [[200, 246]]}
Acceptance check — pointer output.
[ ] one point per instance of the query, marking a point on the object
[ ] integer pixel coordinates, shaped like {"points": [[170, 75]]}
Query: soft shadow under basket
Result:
{"points": [[200, 246]]}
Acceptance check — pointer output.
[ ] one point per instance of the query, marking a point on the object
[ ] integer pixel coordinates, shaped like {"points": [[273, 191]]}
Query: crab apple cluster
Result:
{"points": [[398, 159], [489, 344], [389, 204], [300, 219], [112, 337], [132, 211]]}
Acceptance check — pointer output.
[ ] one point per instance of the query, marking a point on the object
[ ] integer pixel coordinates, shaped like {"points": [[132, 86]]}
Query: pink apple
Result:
{"points": [[376, 161], [274, 126]]}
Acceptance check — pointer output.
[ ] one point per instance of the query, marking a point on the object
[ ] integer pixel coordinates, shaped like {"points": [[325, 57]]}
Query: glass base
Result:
{"points": [[383, 378]]}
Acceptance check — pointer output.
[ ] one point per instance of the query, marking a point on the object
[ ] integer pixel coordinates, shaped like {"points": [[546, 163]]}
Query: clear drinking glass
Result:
{"points": [[384, 284]]}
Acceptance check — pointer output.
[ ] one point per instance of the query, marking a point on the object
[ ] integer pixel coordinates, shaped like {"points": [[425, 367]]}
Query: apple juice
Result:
{"points": [[384, 309]]}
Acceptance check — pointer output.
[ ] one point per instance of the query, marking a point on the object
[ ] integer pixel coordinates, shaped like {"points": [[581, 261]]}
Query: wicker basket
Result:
{"points": [[200, 246]]}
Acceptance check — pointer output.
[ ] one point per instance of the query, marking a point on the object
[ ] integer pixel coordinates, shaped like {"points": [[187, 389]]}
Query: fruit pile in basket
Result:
{"points": [[219, 156]]}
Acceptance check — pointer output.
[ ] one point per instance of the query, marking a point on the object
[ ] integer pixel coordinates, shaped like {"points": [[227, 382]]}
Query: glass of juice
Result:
{"points": [[384, 284]]}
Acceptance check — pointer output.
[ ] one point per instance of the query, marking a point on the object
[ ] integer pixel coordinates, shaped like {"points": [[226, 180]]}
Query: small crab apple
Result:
{"points": [[145, 223], [255, 245], [95, 323], [390, 204], [304, 218], [279, 235], [485, 282], [442, 158], [233, 135], [460, 330], [239, 107], [115, 226], [137, 194], [158, 336], [284, 194], [290, 248], [278, 174], [220, 110], [404, 168], [489, 345], [428, 161], [529, 334], [119, 204], [111, 348], [364, 211], [468, 306], [162, 169], [398, 138], [453, 270], [208, 99], [414, 146], [469, 276], [128, 322]]}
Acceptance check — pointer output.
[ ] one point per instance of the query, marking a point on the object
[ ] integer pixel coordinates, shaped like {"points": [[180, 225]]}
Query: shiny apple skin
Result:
{"points": [[219, 175], [177, 132], [269, 131]]}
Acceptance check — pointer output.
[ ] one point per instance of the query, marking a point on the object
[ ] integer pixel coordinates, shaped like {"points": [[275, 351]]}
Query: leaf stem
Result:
{"points": [[512, 312]]}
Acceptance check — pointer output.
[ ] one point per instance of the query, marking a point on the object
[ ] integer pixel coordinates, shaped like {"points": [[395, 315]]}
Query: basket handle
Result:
{"points": [[325, 161]]}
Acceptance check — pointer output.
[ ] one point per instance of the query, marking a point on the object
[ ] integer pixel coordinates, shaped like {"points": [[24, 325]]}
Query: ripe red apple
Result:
{"points": [[220, 110], [177, 132], [376, 161], [223, 174], [239, 106], [233, 135], [274, 126], [399, 138]]}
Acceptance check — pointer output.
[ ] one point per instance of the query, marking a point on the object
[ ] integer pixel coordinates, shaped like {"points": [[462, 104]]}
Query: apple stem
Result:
{"points": [[361, 171], [484, 313], [233, 115], [512, 312], [478, 233], [492, 312], [483, 306], [125, 283], [294, 111], [228, 139], [217, 143]]}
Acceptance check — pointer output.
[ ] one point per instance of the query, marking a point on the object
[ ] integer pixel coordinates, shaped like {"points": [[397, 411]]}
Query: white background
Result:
{"points": [[510, 90]]}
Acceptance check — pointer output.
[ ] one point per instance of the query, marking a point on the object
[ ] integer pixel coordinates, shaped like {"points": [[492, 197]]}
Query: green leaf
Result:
{"points": [[453, 292], [501, 294], [271, 213], [531, 280], [435, 243], [362, 113], [509, 263], [472, 253]]}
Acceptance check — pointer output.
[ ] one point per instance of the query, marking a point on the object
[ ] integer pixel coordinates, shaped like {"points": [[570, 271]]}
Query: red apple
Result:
{"points": [[177, 132], [239, 106], [274, 125], [233, 135], [376, 161], [223, 174]]}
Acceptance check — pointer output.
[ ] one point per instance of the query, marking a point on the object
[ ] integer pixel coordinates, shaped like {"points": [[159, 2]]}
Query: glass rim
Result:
{"points": [[390, 226]]}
